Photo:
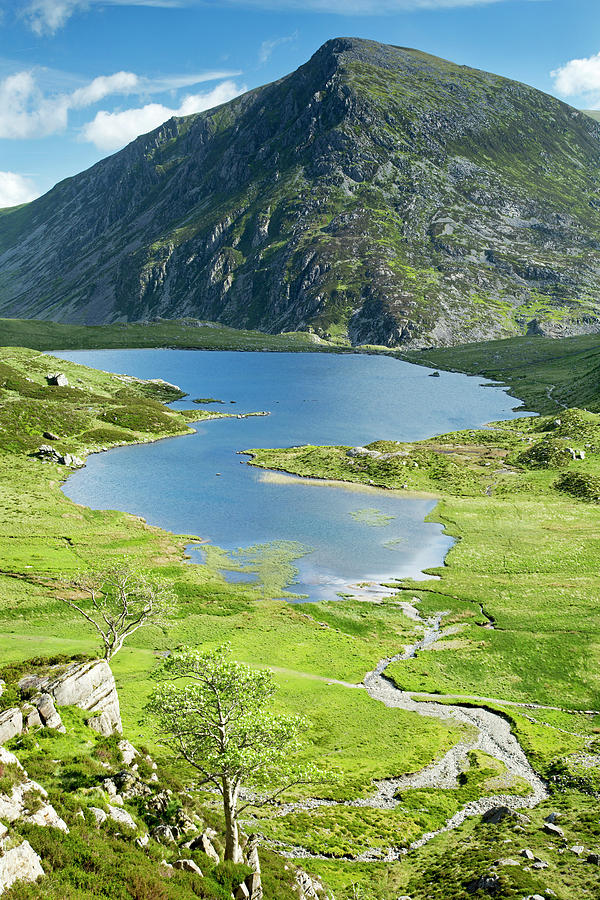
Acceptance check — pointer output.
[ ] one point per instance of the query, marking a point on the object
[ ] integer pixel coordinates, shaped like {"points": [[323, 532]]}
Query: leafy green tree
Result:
{"points": [[218, 719], [121, 600]]}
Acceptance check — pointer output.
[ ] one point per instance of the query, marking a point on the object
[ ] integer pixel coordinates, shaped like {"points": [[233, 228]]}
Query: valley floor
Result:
{"points": [[512, 616]]}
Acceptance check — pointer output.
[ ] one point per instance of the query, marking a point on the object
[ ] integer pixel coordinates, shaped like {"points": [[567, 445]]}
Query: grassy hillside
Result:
{"points": [[186, 334], [545, 374]]}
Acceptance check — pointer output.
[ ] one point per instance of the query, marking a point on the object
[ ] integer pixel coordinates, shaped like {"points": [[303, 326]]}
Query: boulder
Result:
{"points": [[19, 864], [99, 814], [90, 686], [489, 884], [11, 724], [527, 854], [188, 865], [205, 844], [128, 752], [308, 888], [31, 717], [47, 712], [578, 849], [242, 892], [498, 813], [143, 841], [363, 451], [163, 834], [121, 817], [59, 379], [554, 830]]}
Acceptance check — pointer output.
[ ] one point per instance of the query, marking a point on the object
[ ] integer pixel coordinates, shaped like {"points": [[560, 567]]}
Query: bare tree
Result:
{"points": [[121, 600]]}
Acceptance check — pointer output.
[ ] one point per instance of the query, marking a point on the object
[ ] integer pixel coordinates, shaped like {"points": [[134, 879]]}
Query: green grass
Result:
{"points": [[187, 334], [527, 554]]}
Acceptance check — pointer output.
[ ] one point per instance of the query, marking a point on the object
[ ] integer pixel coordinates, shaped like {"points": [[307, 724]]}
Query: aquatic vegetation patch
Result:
{"points": [[372, 517]]}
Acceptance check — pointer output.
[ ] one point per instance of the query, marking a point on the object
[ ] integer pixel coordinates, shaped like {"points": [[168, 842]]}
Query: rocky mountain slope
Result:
{"points": [[377, 192]]}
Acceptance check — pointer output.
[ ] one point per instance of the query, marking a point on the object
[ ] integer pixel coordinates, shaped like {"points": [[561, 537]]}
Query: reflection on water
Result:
{"points": [[350, 534]]}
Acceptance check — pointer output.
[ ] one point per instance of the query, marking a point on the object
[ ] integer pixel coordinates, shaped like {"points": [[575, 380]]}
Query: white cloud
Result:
{"points": [[110, 131], [15, 189], [26, 112], [30, 109], [267, 47], [579, 77]]}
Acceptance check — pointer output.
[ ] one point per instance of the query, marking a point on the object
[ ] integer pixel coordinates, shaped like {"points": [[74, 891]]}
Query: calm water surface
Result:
{"points": [[348, 534]]}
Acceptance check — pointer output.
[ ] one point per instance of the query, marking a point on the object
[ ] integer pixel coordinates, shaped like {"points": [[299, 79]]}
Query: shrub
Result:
{"points": [[546, 454], [580, 485]]}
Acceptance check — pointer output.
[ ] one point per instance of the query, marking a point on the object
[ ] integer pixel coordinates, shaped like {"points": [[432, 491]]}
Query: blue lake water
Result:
{"points": [[349, 535]]}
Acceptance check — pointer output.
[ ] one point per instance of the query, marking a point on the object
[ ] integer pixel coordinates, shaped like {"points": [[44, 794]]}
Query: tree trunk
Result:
{"points": [[233, 851]]}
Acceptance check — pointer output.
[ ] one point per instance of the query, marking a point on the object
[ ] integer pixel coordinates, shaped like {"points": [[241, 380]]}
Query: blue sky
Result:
{"points": [[81, 78]]}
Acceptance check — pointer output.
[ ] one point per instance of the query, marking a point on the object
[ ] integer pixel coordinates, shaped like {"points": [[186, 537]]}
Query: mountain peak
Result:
{"points": [[377, 192]]}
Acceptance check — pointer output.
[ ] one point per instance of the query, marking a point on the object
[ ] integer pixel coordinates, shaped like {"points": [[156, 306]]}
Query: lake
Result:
{"points": [[339, 538]]}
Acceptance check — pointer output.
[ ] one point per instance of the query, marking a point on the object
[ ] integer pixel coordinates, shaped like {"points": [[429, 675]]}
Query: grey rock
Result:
{"points": [[90, 686], [188, 865], [527, 854], [121, 817], [128, 752], [163, 834], [489, 884], [11, 724], [20, 863], [58, 380], [48, 713], [99, 814], [554, 830], [578, 849], [31, 717]]}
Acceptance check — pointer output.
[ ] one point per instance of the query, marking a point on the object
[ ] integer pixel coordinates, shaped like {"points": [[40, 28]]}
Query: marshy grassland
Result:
{"points": [[518, 592]]}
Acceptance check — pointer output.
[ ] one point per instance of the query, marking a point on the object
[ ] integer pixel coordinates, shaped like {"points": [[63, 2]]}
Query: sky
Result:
{"points": [[79, 79]]}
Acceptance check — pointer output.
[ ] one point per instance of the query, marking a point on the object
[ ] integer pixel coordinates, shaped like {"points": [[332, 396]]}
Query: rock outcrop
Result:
{"points": [[90, 686], [27, 800]]}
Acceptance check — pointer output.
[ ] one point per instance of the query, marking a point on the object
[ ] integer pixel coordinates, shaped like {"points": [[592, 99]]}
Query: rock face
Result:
{"points": [[406, 199], [19, 864], [91, 686], [11, 724]]}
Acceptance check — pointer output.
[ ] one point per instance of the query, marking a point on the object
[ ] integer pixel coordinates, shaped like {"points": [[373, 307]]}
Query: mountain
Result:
{"points": [[377, 192]]}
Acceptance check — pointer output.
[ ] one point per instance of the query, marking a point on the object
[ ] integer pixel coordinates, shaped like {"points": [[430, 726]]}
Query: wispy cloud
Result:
{"points": [[112, 130], [579, 78], [48, 16], [267, 47], [16, 189]]}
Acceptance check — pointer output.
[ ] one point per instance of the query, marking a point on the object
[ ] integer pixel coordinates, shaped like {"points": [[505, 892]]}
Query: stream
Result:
{"points": [[492, 736]]}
